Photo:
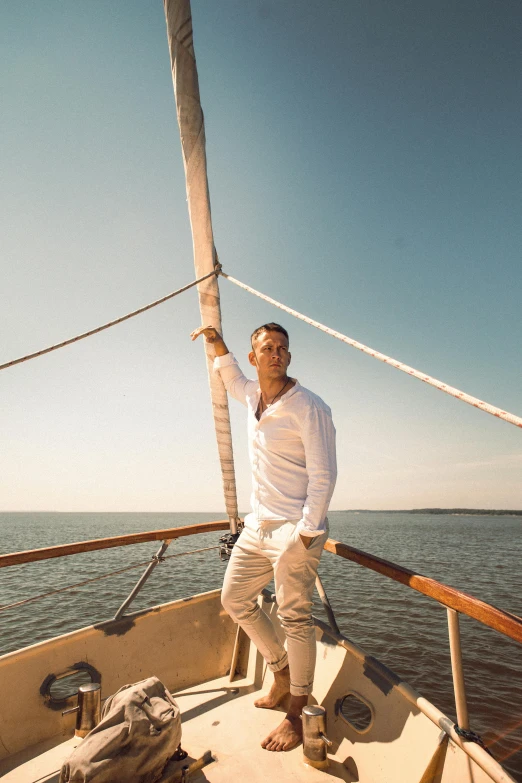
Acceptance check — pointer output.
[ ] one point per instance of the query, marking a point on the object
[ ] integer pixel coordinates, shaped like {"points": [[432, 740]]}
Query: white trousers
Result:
{"points": [[276, 551]]}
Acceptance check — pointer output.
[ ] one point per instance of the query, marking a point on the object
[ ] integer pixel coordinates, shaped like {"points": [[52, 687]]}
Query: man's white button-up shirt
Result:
{"points": [[292, 452]]}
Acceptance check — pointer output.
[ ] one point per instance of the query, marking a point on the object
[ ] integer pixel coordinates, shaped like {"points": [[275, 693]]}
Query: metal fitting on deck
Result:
{"points": [[315, 741], [88, 710]]}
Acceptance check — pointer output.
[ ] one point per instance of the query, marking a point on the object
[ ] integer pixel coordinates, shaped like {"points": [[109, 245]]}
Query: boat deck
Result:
{"points": [[218, 716]]}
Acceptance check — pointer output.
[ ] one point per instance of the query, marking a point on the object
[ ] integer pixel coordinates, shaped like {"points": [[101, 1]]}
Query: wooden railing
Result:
{"points": [[62, 550], [455, 601], [505, 623]]}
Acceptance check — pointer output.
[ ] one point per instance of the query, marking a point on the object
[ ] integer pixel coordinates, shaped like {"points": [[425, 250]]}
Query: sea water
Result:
{"points": [[405, 630]]}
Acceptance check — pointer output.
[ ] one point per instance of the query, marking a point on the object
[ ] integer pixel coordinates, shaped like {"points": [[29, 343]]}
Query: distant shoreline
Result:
{"points": [[457, 512]]}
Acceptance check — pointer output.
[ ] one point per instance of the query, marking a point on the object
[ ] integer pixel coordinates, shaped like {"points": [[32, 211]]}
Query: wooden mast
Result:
{"points": [[192, 132]]}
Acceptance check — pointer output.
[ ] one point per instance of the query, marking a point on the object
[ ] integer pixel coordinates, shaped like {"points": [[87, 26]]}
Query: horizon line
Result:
{"points": [[224, 515]]}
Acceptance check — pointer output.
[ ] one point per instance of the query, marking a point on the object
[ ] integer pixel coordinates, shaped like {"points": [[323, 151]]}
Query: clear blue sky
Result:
{"points": [[364, 167]]}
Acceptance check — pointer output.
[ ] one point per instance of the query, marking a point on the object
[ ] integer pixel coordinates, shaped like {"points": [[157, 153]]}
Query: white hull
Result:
{"points": [[189, 645]]}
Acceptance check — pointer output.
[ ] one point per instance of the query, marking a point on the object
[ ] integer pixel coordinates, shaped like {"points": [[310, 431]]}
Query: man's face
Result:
{"points": [[270, 356]]}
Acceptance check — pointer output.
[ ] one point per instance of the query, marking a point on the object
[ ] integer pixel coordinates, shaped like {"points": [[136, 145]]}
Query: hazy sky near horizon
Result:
{"points": [[364, 167]]}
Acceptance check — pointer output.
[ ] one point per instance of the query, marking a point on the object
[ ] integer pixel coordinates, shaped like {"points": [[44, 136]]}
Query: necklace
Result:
{"points": [[268, 404]]}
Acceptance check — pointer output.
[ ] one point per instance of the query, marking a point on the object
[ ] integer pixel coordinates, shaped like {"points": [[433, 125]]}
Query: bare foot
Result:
{"points": [[288, 735], [280, 688]]}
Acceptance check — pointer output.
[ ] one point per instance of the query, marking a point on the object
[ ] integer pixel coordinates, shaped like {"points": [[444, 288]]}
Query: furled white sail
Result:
{"points": [[192, 131]]}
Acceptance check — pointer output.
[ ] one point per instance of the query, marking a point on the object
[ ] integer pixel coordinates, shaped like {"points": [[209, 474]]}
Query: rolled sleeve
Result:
{"points": [[225, 361], [236, 384], [318, 435]]}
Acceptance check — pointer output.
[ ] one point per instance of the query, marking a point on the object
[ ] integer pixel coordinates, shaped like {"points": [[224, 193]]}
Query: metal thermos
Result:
{"points": [[89, 708], [315, 741]]}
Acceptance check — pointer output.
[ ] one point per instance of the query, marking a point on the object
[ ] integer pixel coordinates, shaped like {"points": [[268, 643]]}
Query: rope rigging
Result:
{"points": [[107, 325], [101, 576], [460, 395], [511, 418]]}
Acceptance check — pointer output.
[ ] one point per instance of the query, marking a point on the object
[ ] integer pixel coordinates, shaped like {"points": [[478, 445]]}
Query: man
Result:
{"points": [[292, 452]]}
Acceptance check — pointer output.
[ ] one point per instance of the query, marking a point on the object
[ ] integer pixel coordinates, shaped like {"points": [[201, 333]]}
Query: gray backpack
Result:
{"points": [[139, 732]]}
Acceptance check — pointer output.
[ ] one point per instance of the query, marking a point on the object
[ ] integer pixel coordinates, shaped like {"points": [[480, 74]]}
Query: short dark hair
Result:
{"points": [[271, 327]]}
